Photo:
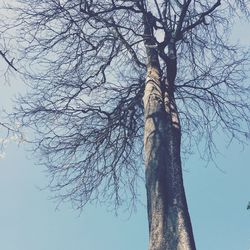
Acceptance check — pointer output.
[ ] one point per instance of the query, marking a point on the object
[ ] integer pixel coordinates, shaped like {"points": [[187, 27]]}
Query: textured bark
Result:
{"points": [[169, 222]]}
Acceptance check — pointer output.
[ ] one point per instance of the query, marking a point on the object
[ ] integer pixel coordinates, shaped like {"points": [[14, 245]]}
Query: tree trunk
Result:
{"points": [[169, 222]]}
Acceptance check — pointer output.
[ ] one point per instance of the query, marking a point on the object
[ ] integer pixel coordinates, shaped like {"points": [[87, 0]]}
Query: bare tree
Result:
{"points": [[90, 63]]}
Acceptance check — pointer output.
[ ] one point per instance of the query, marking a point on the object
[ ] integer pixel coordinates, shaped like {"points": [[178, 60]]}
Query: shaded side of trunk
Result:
{"points": [[169, 221]]}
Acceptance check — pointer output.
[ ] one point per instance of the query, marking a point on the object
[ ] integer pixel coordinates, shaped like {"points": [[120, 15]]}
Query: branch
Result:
{"points": [[201, 20], [128, 47], [182, 16], [10, 63]]}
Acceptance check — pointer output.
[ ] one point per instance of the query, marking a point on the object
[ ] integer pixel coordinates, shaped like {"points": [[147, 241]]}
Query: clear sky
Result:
{"points": [[28, 219]]}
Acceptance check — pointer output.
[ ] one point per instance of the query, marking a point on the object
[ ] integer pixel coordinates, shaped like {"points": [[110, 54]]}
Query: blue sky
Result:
{"points": [[217, 203], [29, 221]]}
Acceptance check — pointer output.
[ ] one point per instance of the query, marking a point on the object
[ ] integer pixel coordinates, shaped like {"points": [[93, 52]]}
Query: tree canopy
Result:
{"points": [[85, 63]]}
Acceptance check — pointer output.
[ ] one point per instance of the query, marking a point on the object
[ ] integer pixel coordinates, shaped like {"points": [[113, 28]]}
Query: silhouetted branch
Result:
{"points": [[10, 63]]}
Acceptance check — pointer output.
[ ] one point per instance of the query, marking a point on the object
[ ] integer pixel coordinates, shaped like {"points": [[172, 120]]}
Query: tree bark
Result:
{"points": [[169, 221]]}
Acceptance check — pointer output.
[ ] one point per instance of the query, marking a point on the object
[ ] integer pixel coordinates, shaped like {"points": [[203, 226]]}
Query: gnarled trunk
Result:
{"points": [[169, 222]]}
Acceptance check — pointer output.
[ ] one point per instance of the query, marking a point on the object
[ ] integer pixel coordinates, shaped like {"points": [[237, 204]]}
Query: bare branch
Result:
{"points": [[200, 20], [10, 63]]}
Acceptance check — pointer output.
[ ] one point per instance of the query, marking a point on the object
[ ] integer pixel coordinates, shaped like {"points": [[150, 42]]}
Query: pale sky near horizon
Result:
{"points": [[217, 203]]}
